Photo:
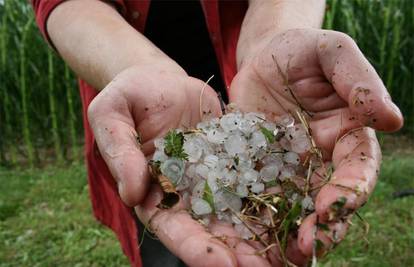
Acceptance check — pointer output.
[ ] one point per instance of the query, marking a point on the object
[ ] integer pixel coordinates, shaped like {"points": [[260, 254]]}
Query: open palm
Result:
{"points": [[325, 74]]}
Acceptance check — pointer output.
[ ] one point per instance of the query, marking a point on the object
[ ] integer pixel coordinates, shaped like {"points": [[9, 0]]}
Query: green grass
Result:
{"points": [[391, 235], [46, 220]]}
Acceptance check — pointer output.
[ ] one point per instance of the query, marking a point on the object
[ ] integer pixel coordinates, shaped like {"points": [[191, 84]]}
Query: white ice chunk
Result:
{"points": [[194, 147], [274, 159], [224, 200], [286, 120], [255, 117], [243, 231], [242, 190], [307, 203], [230, 121], [257, 188], [212, 181], [174, 169], [299, 140], [235, 144], [243, 162], [249, 176], [198, 190], [159, 155], [202, 170], [228, 177], [216, 136], [269, 173], [183, 184], [191, 171], [291, 158], [257, 140], [159, 144], [211, 161], [200, 206], [287, 172], [235, 219]]}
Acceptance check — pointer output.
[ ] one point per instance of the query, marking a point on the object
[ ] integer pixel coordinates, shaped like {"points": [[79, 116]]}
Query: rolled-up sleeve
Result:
{"points": [[43, 8]]}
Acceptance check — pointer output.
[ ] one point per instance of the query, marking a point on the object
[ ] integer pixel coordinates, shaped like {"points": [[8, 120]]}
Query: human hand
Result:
{"points": [[324, 73], [149, 103]]}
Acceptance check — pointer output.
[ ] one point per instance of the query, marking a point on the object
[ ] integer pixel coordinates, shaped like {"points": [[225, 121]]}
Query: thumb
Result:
{"points": [[357, 82], [116, 137]]}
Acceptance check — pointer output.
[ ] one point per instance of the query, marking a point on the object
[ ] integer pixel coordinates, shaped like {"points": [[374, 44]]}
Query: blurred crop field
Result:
{"points": [[45, 214]]}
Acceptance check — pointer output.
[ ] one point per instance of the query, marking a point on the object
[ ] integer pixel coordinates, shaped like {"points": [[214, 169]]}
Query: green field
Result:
{"points": [[46, 220]]}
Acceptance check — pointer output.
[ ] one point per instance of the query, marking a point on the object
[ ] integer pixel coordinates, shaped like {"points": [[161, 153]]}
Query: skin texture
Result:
{"points": [[145, 92]]}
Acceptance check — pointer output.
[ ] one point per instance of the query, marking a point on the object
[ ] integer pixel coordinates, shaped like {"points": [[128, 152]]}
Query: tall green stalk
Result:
{"points": [[330, 15], [384, 38], [8, 131], [23, 90], [393, 55], [52, 105], [72, 116]]}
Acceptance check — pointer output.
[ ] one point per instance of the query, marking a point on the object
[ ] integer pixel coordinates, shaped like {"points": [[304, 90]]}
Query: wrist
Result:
{"points": [[266, 19]]}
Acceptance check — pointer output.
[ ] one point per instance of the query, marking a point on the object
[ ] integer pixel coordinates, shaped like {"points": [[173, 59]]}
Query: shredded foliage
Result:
{"points": [[174, 142], [208, 195], [270, 137]]}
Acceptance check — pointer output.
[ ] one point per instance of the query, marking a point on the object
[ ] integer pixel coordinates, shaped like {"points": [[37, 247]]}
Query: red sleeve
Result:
{"points": [[43, 8]]}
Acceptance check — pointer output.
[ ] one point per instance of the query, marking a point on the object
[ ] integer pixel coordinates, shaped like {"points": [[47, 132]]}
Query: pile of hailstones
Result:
{"points": [[235, 155]]}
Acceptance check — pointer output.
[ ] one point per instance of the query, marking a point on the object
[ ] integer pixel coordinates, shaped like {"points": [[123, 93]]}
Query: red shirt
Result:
{"points": [[223, 21]]}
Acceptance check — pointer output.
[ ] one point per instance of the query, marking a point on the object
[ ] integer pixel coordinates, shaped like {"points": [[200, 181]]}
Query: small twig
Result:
{"points": [[286, 83], [222, 104], [263, 251], [201, 95], [264, 243], [307, 185], [366, 226], [315, 230]]}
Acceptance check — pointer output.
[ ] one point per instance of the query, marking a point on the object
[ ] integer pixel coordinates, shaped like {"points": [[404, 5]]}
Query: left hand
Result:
{"points": [[330, 78]]}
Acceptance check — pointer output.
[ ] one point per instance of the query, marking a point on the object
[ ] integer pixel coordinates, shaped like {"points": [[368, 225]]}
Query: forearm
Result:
{"points": [[94, 39], [266, 18]]}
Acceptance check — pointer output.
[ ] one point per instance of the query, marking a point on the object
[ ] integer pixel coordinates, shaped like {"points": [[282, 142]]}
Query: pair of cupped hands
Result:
{"points": [[328, 76]]}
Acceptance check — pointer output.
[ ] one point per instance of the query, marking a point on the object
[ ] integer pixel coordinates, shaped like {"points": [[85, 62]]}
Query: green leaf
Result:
{"points": [[236, 160], [322, 226], [319, 245], [174, 142], [271, 183], [268, 134], [338, 204], [289, 223], [208, 195]]}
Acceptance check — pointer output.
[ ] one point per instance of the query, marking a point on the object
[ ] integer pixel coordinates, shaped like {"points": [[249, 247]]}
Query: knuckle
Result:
{"points": [[344, 38], [93, 109]]}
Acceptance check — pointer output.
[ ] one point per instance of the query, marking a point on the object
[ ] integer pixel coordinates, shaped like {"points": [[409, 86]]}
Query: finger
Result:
{"points": [[328, 127], [356, 159], [294, 254], [311, 230], [246, 254], [357, 82], [115, 135], [316, 94], [196, 102], [182, 235]]}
